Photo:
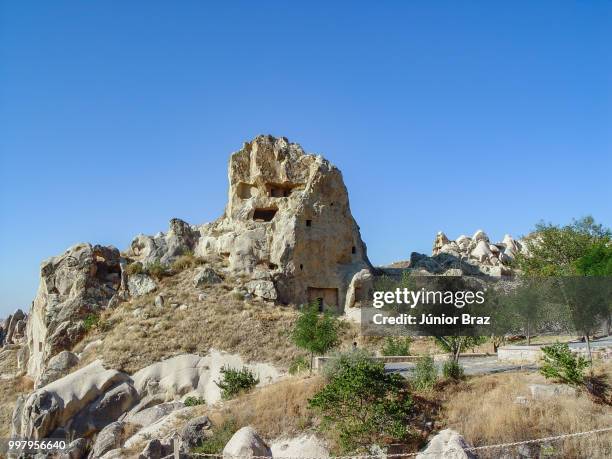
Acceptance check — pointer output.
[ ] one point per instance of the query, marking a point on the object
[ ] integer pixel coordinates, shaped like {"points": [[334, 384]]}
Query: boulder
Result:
{"points": [[359, 289], [447, 444], [194, 432], [141, 284], [76, 449], [57, 404], [205, 276], [153, 450], [58, 366], [306, 446], [481, 252], [262, 288], [159, 301], [111, 437], [246, 443], [152, 414], [74, 285], [12, 332], [105, 409], [480, 235]]}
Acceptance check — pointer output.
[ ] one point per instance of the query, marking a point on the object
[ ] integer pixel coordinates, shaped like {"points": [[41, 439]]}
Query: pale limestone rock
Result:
{"points": [[481, 252], [152, 414], [246, 443], [306, 446], [206, 276], [360, 288], [73, 285], [195, 375], [58, 403], [262, 288], [108, 439], [58, 366], [480, 235], [195, 430], [287, 213], [447, 444], [440, 241], [140, 284]]}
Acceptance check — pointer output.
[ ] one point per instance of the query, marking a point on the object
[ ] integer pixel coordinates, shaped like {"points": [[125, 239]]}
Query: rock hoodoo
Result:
{"points": [[287, 226], [72, 285], [472, 255]]}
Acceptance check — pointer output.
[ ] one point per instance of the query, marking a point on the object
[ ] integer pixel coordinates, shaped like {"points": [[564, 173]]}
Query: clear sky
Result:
{"points": [[116, 116]]}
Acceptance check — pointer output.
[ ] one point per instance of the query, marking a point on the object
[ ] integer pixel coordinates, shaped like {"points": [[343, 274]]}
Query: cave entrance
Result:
{"points": [[264, 215], [280, 190], [325, 298]]}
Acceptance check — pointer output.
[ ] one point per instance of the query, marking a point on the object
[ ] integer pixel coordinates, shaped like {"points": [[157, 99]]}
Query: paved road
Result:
{"points": [[488, 365]]}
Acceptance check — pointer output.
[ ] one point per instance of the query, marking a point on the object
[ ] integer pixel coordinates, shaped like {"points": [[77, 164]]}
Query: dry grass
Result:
{"points": [[483, 409], [274, 410], [136, 333], [10, 388]]}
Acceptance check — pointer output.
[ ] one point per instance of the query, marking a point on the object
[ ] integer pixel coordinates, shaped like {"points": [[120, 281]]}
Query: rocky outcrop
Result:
{"points": [[13, 328], [111, 437], [195, 431], [306, 446], [58, 366], [447, 444], [140, 284], [190, 374], [73, 285], [246, 443], [472, 256], [287, 225], [78, 404]]}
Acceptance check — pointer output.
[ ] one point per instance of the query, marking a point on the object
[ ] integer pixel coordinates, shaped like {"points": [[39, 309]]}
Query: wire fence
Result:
{"points": [[603, 451]]}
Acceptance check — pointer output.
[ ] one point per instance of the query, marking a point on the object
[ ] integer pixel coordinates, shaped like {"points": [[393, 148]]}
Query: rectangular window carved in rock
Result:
{"points": [[264, 215]]}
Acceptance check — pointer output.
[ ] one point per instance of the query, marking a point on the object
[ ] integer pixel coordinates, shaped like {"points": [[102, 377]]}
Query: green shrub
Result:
{"points": [[221, 435], [425, 373], [193, 401], [338, 361], [314, 332], [91, 321], [134, 268], [364, 404], [452, 370], [185, 261], [561, 364], [234, 382], [157, 270], [299, 365], [397, 345]]}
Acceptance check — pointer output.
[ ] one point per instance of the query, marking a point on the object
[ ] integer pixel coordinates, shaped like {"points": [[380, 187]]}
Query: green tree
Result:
{"points": [[396, 345], [557, 251], [598, 262], [455, 345], [561, 364], [317, 333], [553, 250], [364, 404]]}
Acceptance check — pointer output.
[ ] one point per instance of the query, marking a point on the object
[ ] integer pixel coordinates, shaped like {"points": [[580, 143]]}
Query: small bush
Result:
{"points": [[157, 270], [425, 373], [340, 360], [220, 437], [364, 404], [298, 365], [452, 370], [134, 268], [561, 364], [397, 346], [91, 321], [185, 261], [234, 382], [193, 401]]}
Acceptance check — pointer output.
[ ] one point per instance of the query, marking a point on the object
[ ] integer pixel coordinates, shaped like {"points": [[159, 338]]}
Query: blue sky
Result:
{"points": [[454, 116]]}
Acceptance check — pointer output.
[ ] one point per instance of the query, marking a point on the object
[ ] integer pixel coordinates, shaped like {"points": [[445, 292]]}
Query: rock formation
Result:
{"points": [[287, 226], [475, 255], [73, 285]]}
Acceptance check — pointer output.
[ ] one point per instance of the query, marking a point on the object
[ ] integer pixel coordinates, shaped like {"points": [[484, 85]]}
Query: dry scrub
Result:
{"points": [[274, 410], [137, 333], [10, 388], [485, 411]]}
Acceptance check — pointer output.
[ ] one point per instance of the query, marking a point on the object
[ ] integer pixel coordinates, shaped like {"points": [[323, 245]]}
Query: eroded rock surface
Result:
{"points": [[73, 286], [287, 227]]}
